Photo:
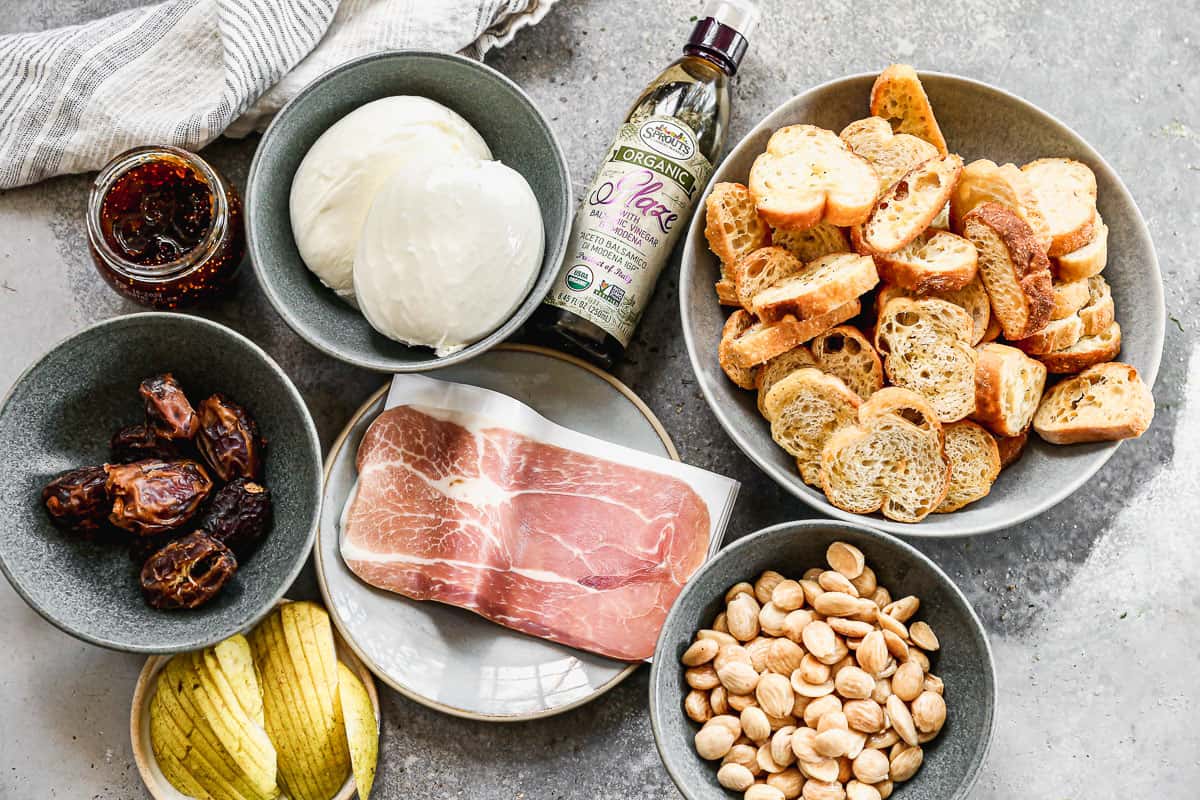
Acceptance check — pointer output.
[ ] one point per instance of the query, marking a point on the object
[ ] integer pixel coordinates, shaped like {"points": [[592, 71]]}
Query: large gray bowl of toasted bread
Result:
{"points": [[922, 300]]}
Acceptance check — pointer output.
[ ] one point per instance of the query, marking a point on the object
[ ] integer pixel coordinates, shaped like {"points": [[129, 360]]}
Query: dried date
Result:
{"points": [[229, 439], [78, 500], [153, 496], [187, 572], [168, 412], [239, 515], [138, 442]]}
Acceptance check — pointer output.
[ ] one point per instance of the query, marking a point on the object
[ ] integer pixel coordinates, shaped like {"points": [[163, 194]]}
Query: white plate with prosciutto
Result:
{"points": [[496, 544]]}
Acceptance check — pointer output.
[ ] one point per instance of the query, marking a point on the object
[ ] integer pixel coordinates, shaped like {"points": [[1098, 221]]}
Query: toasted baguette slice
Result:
{"points": [[885, 463], [812, 243], [926, 347], [1066, 194], [899, 98], [1105, 402], [825, 284], [1088, 260], [893, 155], [909, 406], [974, 465], [1014, 269], [807, 175], [762, 341], [1008, 388], [905, 210], [805, 408], [732, 225], [738, 323], [727, 292], [1088, 351], [1069, 297], [1058, 334], [844, 351], [983, 182], [1011, 448], [779, 368], [761, 268], [1100, 312], [972, 298], [936, 261], [993, 331]]}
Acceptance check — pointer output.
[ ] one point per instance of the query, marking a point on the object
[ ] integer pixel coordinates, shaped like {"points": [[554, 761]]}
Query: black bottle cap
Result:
{"points": [[718, 43]]}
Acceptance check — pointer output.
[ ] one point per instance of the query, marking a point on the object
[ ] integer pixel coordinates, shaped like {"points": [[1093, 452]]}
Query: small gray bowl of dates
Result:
{"points": [[162, 483], [823, 660]]}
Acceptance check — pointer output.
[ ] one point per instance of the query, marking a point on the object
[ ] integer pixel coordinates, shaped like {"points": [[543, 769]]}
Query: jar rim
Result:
{"points": [[189, 261]]}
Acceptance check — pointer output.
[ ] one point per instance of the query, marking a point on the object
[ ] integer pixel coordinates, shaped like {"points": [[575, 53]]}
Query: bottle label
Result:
{"points": [[634, 211]]}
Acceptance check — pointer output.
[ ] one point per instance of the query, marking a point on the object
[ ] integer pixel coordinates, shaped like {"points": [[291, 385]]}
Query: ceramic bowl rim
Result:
{"points": [[255, 247], [299, 559], [1019, 513], [664, 661]]}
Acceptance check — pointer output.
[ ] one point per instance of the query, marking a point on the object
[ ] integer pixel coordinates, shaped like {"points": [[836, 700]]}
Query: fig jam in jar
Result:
{"points": [[164, 227]]}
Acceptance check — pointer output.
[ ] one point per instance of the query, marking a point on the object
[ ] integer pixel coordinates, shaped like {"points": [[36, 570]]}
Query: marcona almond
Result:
{"points": [[722, 638], [923, 636], [858, 741], [920, 658], [763, 791], [813, 690], [781, 722], [861, 791], [784, 656], [741, 616], [796, 622], [703, 677], [739, 588], [720, 624], [740, 702], [882, 741], [781, 746], [812, 590], [901, 719], [820, 640], [850, 628], [790, 782], [730, 654], [845, 769], [895, 645], [717, 700], [713, 741], [738, 678], [758, 649], [840, 651], [745, 755], [819, 708], [697, 707], [836, 604], [700, 652], [755, 724], [765, 760], [788, 595], [771, 618], [727, 721], [832, 581], [802, 746], [846, 559], [906, 763], [866, 583], [833, 742], [881, 597], [823, 790], [872, 654], [871, 766], [846, 661], [883, 689], [865, 716], [929, 712], [826, 770], [831, 720], [922, 738], [854, 683], [800, 704], [885, 789], [934, 684], [735, 777], [813, 670], [775, 695], [765, 585], [903, 609], [909, 681]]}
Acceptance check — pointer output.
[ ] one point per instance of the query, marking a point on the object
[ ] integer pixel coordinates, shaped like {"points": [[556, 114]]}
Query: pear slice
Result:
{"points": [[362, 729], [237, 664], [244, 734], [169, 752]]}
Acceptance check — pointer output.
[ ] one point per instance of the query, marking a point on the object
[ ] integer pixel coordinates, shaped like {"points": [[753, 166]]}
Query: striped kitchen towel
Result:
{"points": [[183, 72]]}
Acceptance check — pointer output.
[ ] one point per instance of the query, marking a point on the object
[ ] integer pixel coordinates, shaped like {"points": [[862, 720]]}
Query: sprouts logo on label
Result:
{"points": [[668, 138], [579, 278]]}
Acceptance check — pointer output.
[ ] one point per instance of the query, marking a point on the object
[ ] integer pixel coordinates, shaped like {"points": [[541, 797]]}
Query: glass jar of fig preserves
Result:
{"points": [[164, 227]]}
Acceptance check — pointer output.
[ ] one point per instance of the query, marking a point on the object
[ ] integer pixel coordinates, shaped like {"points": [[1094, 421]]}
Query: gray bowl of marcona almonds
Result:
{"points": [[826, 661], [934, 303]]}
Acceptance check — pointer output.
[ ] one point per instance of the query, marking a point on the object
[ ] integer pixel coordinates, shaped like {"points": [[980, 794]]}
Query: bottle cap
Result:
{"points": [[723, 31]]}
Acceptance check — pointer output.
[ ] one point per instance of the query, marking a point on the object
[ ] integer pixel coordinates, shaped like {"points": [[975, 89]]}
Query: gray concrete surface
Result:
{"points": [[1093, 608]]}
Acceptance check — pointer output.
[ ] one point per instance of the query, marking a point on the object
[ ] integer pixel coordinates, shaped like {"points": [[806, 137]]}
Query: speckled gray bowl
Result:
{"points": [[513, 127], [964, 662], [979, 121], [60, 415]]}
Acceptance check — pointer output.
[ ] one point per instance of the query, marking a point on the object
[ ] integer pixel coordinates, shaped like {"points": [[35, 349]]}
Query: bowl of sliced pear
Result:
{"points": [[284, 712]]}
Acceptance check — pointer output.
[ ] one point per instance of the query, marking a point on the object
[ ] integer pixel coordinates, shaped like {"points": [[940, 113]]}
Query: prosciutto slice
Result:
{"points": [[545, 540]]}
